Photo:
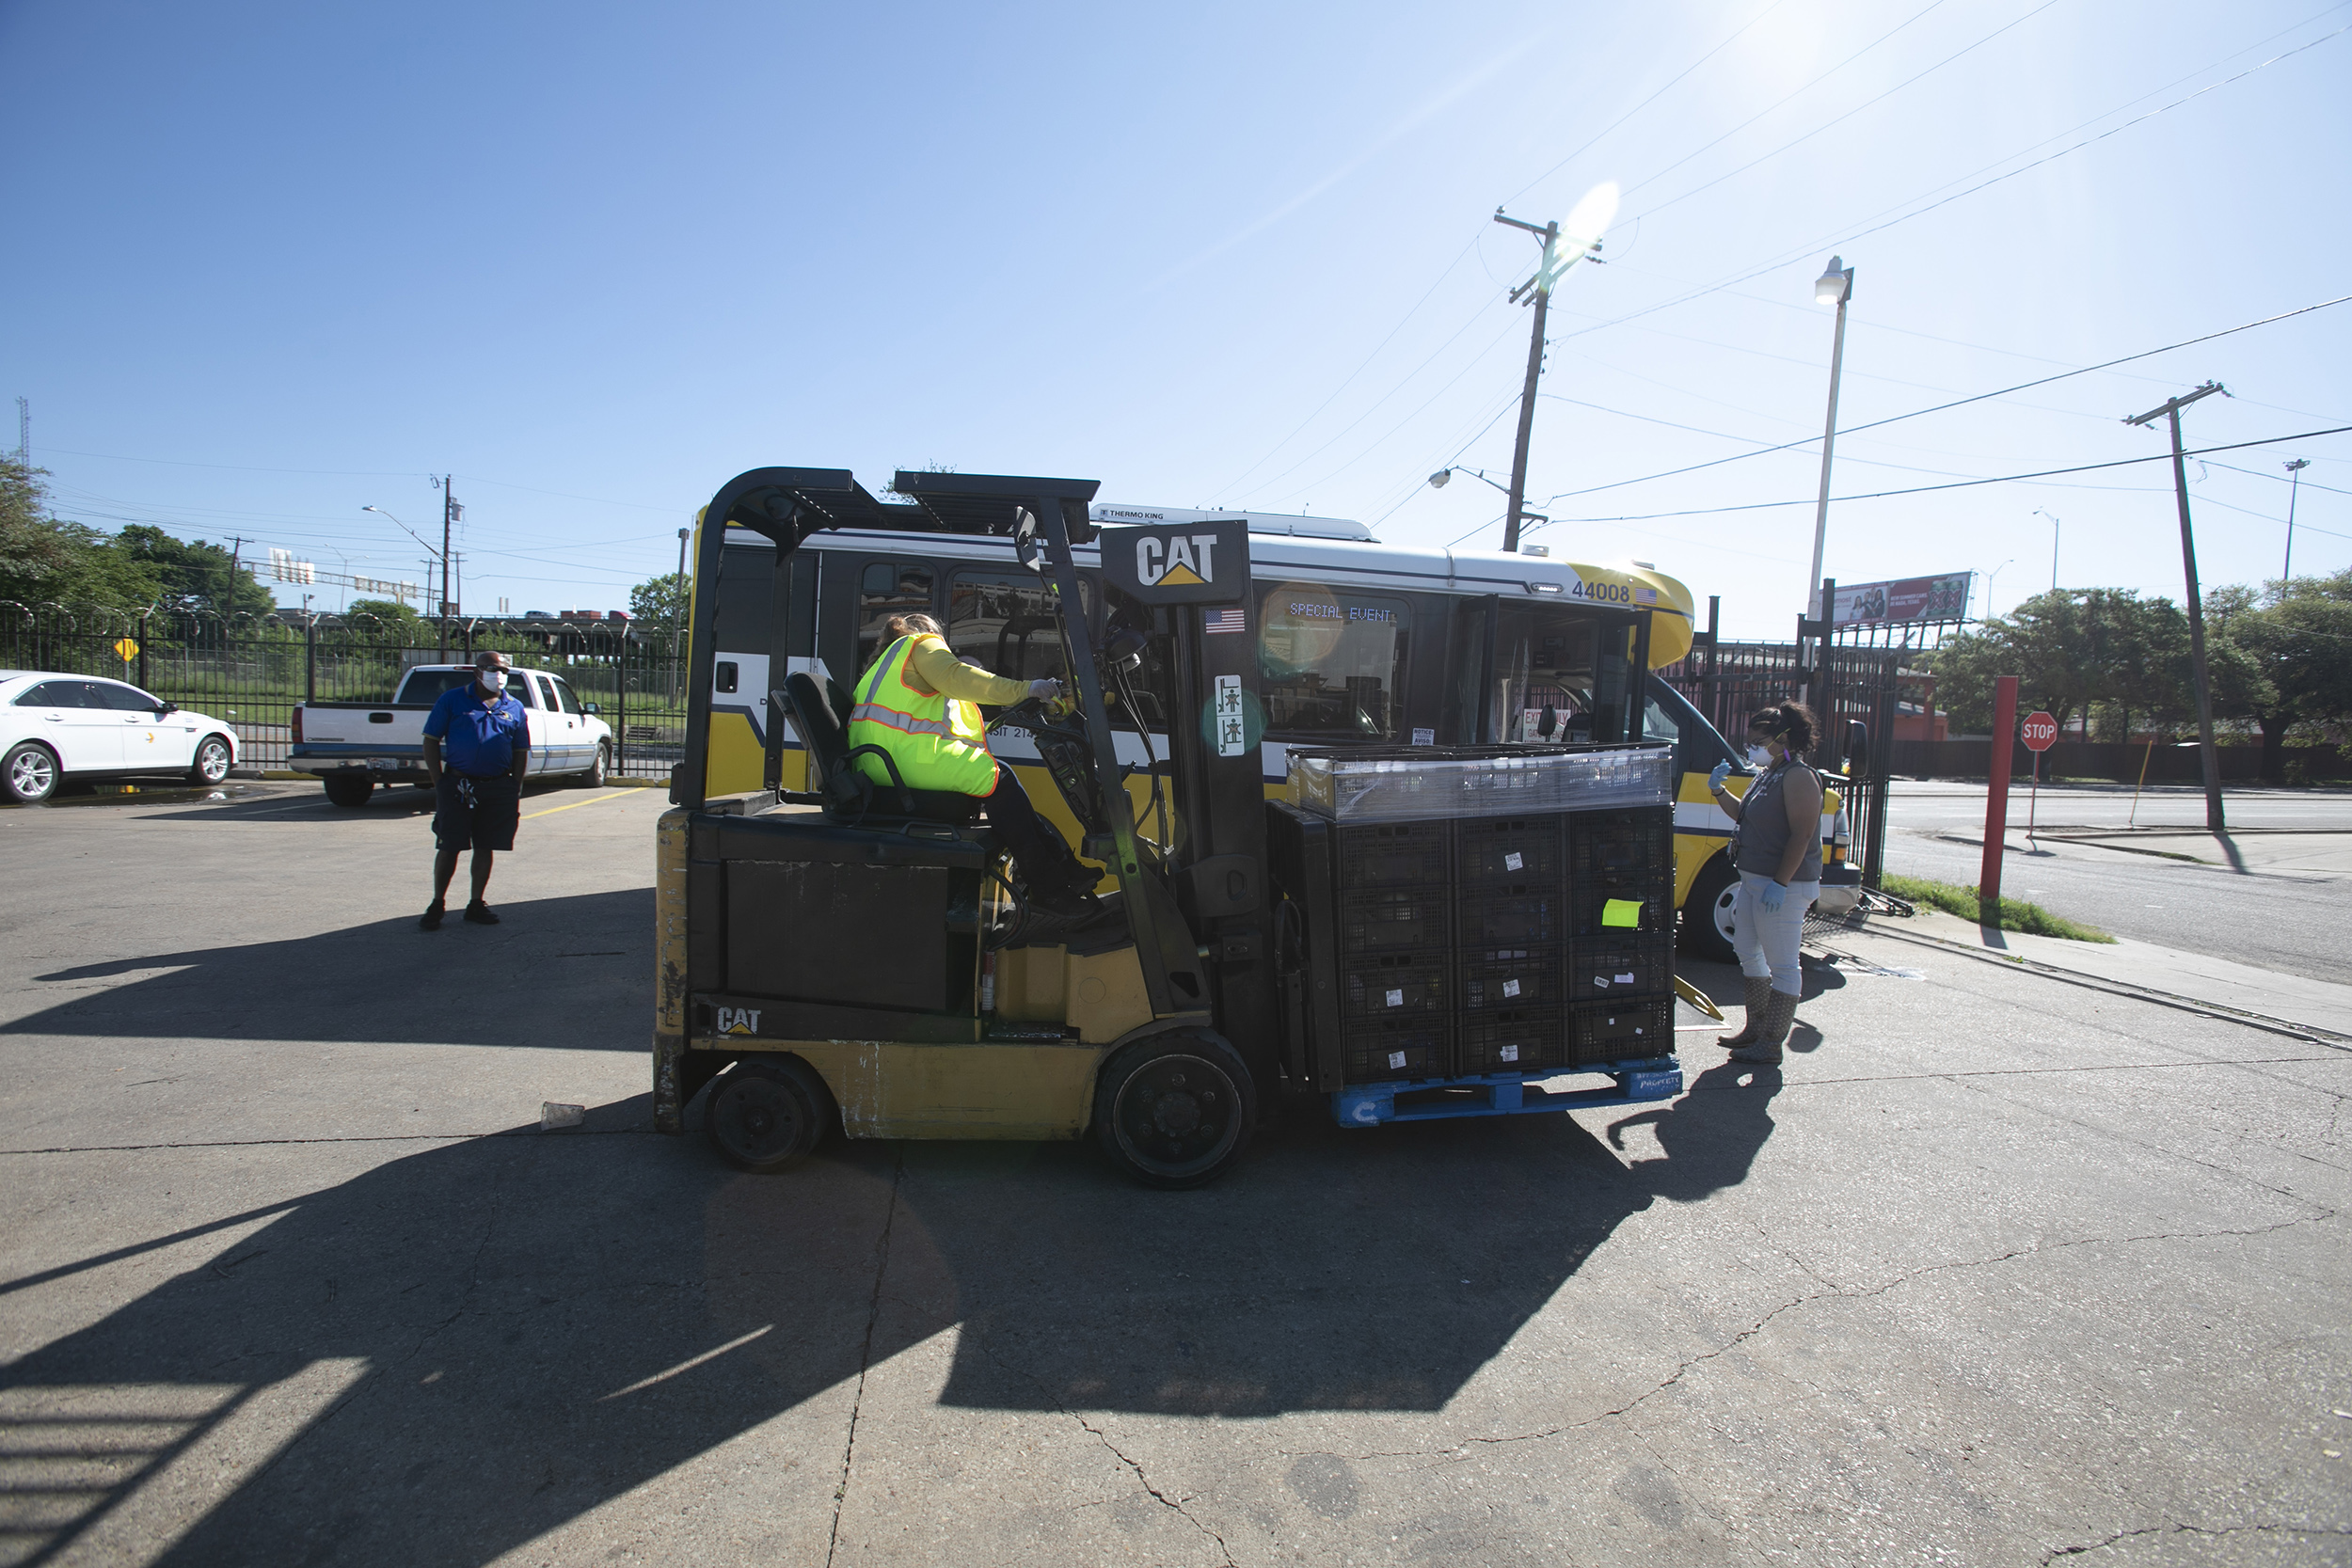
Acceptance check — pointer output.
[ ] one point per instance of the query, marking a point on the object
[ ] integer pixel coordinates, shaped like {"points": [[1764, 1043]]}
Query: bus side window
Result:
{"points": [[1004, 623], [887, 588], [1330, 664]]}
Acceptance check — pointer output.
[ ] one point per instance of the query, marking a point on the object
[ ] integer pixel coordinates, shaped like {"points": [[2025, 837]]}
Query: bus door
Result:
{"points": [[1558, 672]]}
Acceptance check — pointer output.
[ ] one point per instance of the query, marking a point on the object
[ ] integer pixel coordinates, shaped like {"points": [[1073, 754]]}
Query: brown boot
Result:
{"points": [[1780, 1013], [1759, 987]]}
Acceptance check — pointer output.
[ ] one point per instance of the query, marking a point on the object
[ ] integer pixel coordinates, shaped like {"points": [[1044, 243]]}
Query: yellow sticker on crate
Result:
{"points": [[1621, 912]]}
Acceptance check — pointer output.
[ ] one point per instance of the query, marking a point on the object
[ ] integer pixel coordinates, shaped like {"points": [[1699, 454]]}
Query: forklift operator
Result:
{"points": [[916, 701]]}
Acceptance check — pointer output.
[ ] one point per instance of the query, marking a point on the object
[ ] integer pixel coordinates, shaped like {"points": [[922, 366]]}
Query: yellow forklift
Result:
{"points": [[852, 955]]}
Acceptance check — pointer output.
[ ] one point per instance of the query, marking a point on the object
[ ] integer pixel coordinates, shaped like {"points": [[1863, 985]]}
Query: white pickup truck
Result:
{"points": [[353, 747]]}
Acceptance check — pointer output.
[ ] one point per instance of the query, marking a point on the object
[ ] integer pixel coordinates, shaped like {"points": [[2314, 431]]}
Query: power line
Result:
{"points": [[1856, 110], [1734, 37], [1957, 484], [1843, 238], [1359, 370], [1957, 403]]}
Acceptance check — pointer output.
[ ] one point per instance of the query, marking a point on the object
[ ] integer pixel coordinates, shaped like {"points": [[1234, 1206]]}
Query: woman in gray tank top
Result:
{"points": [[1777, 852]]}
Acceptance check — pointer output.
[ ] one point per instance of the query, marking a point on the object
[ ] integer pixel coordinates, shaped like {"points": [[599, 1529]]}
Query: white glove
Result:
{"points": [[1046, 690], [1715, 779]]}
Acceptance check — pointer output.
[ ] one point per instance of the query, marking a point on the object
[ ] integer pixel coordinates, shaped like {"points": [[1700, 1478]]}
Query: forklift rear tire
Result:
{"points": [[767, 1115], [1706, 913], [1175, 1110]]}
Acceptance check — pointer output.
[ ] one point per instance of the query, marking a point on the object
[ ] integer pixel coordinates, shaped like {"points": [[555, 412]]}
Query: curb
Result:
{"points": [[2311, 1033]]}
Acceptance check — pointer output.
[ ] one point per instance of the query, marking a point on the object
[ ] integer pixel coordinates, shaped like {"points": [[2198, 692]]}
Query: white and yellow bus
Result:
{"points": [[1359, 642]]}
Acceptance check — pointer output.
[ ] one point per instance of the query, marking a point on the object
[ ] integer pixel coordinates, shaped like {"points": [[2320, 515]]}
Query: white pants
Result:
{"points": [[1767, 944]]}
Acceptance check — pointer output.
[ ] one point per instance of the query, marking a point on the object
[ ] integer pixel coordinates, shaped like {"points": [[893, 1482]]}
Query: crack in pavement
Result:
{"points": [[965, 1332], [866, 1352], [2177, 1528], [1455, 1452]]}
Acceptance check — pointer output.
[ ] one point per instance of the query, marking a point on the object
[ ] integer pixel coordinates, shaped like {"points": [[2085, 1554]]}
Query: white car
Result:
{"points": [[55, 726]]}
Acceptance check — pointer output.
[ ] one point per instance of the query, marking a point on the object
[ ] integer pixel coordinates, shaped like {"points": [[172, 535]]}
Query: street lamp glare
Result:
{"points": [[1834, 284]]}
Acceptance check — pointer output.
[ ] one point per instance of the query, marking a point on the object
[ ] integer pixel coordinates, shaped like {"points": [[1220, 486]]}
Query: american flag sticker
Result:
{"points": [[1223, 620], [1645, 595]]}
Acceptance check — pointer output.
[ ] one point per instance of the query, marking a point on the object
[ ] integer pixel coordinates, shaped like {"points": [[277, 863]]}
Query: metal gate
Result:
{"points": [[251, 672], [1851, 686]]}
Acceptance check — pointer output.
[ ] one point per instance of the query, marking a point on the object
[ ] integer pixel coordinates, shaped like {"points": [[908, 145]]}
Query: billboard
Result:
{"points": [[1937, 598]]}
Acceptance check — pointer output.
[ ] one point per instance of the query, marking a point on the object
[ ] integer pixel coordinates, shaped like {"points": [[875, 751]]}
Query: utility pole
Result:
{"points": [[678, 607], [2171, 410], [1583, 233], [451, 511], [1541, 290], [2294, 484], [24, 432], [235, 555]]}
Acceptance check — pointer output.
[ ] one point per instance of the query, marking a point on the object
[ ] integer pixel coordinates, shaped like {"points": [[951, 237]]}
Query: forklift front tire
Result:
{"points": [[767, 1115], [1174, 1111]]}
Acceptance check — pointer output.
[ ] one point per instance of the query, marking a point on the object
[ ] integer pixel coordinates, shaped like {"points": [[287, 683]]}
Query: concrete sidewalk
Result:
{"points": [[2242, 991]]}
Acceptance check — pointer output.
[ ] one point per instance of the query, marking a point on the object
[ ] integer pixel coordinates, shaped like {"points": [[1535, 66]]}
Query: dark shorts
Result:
{"points": [[476, 813]]}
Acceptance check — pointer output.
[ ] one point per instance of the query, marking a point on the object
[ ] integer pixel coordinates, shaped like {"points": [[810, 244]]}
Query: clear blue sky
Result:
{"points": [[269, 263]]}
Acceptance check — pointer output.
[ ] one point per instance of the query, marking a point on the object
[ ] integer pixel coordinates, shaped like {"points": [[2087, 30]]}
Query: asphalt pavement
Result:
{"points": [[2275, 893], [1996, 1269]]}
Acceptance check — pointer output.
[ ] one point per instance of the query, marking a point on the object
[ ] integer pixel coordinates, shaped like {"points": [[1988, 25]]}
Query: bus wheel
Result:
{"points": [[1174, 1111], [765, 1116], [1706, 914]]}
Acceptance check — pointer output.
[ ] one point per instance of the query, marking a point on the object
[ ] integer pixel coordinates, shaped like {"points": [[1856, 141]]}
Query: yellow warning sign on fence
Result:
{"points": [[126, 650]]}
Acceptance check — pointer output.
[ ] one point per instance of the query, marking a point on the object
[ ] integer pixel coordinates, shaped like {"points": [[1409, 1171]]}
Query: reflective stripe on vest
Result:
{"points": [[935, 739]]}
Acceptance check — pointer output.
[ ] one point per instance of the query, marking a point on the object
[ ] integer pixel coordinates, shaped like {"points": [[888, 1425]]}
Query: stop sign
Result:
{"points": [[2039, 730]]}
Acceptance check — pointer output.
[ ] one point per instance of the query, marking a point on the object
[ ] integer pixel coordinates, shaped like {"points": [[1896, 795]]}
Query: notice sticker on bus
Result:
{"points": [[1515, 862], [1508, 1053], [1396, 1061], [1510, 988], [1396, 999], [1424, 737]]}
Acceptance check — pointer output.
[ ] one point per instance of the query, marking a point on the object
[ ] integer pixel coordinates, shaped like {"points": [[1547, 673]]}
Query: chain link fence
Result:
{"points": [[251, 672]]}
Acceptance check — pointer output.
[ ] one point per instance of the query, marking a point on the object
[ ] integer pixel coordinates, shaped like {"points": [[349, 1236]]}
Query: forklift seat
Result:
{"points": [[851, 794]]}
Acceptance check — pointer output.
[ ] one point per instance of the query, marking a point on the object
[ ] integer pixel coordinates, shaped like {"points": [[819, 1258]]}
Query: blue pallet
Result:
{"points": [[1507, 1094]]}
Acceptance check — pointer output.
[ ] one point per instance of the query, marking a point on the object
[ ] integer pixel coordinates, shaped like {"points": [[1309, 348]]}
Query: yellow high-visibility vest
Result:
{"points": [[938, 741]]}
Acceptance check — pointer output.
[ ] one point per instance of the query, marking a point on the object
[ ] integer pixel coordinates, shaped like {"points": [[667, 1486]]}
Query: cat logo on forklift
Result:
{"points": [[1180, 560], [739, 1020], [1171, 564]]}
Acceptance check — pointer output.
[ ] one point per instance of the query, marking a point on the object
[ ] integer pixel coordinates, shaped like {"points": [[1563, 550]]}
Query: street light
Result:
{"points": [[1988, 587], [2294, 484], [1834, 287], [2054, 542]]}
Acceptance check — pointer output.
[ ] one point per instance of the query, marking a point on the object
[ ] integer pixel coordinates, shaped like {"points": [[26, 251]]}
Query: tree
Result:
{"points": [[2072, 650], [197, 576], [660, 602], [2296, 636], [399, 622], [46, 559]]}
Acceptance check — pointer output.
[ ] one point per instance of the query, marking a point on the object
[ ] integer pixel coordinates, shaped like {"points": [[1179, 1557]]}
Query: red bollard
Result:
{"points": [[1997, 802]]}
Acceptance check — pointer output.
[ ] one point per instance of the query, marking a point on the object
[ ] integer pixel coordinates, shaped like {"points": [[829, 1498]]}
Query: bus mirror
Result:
{"points": [[1857, 742]]}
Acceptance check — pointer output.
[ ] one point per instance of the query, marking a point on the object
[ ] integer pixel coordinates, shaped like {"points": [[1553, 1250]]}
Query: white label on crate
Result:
{"points": [[1508, 1053], [1424, 737], [1513, 861], [1396, 999], [1510, 988], [1396, 1060], [1626, 979]]}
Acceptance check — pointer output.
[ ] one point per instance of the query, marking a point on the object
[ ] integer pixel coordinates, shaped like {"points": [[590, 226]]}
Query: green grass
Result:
{"points": [[2016, 913]]}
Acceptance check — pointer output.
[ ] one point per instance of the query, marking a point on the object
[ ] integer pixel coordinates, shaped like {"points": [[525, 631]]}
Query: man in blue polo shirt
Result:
{"points": [[477, 749]]}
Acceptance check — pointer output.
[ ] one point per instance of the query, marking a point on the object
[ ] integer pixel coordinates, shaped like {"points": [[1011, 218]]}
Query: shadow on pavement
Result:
{"points": [[586, 980], [537, 1323]]}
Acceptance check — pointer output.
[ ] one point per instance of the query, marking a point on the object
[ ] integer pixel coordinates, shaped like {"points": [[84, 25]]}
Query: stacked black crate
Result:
{"points": [[1510, 918], [1620, 969], [1395, 965]]}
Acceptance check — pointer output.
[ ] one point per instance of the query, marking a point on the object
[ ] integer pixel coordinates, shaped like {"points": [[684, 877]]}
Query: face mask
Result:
{"points": [[493, 680], [1761, 755]]}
